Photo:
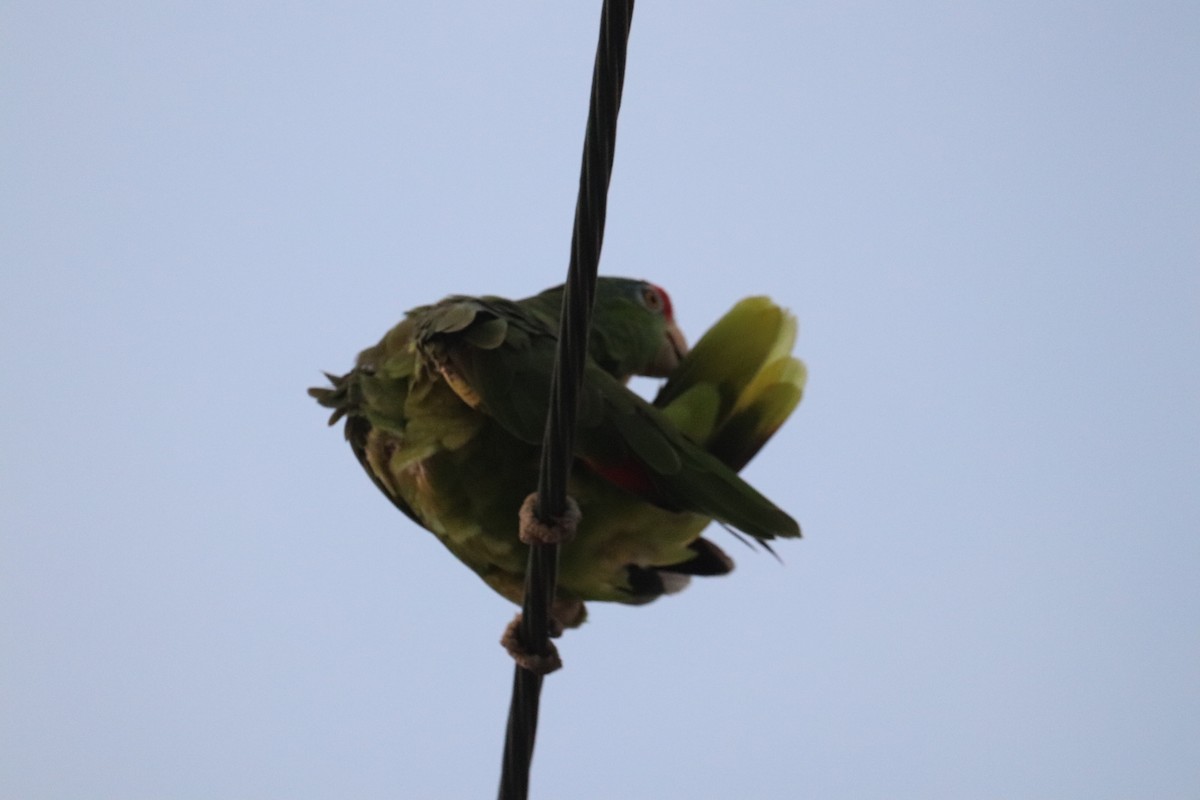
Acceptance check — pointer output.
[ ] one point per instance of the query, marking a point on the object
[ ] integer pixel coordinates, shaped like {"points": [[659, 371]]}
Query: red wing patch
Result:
{"points": [[630, 475]]}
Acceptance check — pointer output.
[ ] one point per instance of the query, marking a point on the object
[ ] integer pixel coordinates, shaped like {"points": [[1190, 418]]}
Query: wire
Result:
{"points": [[558, 445]]}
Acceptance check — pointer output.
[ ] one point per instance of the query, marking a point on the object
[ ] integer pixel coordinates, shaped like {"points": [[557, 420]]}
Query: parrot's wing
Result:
{"points": [[636, 446], [496, 356], [499, 360]]}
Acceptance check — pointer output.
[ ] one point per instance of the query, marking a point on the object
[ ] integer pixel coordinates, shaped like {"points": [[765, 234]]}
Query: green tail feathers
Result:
{"points": [[739, 384]]}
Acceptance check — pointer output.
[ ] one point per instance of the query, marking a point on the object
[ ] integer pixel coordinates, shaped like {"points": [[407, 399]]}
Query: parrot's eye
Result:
{"points": [[656, 300]]}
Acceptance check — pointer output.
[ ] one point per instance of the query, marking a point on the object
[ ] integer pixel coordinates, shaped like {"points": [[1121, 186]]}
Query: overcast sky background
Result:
{"points": [[986, 216]]}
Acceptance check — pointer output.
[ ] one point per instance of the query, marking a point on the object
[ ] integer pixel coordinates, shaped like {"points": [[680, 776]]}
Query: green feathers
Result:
{"points": [[446, 416], [739, 384]]}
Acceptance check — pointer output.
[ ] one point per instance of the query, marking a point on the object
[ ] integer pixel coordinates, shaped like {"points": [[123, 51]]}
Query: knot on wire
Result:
{"points": [[560, 531], [537, 663]]}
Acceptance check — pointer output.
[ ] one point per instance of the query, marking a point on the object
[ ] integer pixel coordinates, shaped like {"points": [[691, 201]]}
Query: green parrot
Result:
{"points": [[446, 415]]}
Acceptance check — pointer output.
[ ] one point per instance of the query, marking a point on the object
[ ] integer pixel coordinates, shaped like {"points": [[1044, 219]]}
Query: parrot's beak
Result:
{"points": [[674, 348]]}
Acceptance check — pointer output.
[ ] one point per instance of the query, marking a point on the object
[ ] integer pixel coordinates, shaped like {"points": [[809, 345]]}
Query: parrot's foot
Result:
{"points": [[539, 664], [566, 612], [534, 531]]}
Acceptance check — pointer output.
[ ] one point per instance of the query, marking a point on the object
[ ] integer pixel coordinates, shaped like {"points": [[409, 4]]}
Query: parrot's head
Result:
{"points": [[633, 327], [634, 330]]}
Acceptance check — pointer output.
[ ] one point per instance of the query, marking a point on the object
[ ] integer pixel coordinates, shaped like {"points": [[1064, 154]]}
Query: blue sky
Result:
{"points": [[984, 215]]}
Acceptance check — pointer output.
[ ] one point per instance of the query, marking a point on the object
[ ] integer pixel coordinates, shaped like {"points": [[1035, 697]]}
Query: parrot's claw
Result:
{"points": [[539, 664], [534, 531]]}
